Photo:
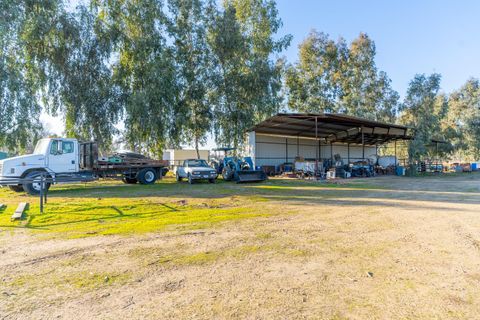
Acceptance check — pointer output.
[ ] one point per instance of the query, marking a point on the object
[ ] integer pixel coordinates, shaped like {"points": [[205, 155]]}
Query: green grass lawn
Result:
{"points": [[111, 207]]}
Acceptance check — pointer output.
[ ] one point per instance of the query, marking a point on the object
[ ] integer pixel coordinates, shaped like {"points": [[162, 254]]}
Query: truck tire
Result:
{"points": [[177, 177], [33, 188], [129, 180], [211, 180], [17, 188], [147, 176]]}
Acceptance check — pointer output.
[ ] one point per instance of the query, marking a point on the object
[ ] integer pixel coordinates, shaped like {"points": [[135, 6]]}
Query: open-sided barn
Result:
{"points": [[317, 136]]}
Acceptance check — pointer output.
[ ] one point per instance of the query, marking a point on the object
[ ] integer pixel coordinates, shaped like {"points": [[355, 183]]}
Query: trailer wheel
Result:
{"points": [[33, 188], [147, 176], [17, 188], [129, 180]]}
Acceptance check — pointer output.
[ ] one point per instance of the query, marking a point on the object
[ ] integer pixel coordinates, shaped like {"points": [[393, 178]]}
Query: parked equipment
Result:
{"points": [[241, 170], [196, 169], [75, 161], [362, 169], [217, 159]]}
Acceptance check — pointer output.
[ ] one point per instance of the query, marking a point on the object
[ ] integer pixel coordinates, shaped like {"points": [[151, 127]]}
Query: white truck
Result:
{"points": [[64, 157], [196, 169]]}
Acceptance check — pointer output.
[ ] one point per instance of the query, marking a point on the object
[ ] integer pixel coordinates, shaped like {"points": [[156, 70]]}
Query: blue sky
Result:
{"points": [[411, 37]]}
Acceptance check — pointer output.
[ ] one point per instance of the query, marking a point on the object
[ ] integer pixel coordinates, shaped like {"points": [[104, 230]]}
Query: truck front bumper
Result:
{"points": [[206, 175]]}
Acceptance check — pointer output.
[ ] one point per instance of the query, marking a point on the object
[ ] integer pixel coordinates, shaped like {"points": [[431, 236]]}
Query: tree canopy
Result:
{"points": [[334, 77], [160, 73]]}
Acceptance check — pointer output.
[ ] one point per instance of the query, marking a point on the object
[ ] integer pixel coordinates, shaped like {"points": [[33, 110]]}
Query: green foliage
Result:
{"points": [[247, 81], [332, 77], [189, 20], [144, 70], [19, 107], [166, 73], [463, 122], [424, 110], [89, 98]]}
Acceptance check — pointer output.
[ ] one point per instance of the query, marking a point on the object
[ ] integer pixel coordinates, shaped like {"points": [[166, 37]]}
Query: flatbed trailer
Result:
{"points": [[67, 160]]}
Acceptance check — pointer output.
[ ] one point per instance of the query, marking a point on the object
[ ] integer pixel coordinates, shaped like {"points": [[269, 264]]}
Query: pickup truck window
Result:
{"points": [[197, 163], [67, 147], [54, 147]]}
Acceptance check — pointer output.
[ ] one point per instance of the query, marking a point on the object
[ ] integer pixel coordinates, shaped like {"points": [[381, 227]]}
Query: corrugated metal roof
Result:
{"points": [[332, 128]]}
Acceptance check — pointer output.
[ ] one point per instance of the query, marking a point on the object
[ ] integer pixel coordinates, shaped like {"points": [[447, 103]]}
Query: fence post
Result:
{"points": [[46, 189], [41, 192]]}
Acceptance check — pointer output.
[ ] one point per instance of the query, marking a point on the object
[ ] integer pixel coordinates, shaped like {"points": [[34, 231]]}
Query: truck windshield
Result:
{"points": [[41, 147], [197, 163]]}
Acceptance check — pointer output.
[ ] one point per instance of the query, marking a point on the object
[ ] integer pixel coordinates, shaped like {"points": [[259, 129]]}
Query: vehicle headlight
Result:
{"points": [[196, 172], [212, 172]]}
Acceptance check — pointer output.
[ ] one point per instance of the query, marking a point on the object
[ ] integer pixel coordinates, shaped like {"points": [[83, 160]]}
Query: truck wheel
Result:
{"points": [[177, 176], [211, 180], [129, 180], [17, 188], [190, 180], [33, 188], [147, 176]]}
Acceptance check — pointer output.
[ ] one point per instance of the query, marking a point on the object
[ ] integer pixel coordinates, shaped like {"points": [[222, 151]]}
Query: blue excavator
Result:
{"points": [[238, 169]]}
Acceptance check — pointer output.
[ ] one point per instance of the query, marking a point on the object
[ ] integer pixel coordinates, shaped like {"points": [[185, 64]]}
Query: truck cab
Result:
{"points": [[53, 155]]}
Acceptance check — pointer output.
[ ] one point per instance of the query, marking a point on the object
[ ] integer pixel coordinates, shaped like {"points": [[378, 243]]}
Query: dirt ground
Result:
{"points": [[394, 248]]}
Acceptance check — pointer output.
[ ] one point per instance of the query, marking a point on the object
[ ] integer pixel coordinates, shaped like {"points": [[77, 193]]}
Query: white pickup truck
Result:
{"points": [[196, 169], [64, 157]]}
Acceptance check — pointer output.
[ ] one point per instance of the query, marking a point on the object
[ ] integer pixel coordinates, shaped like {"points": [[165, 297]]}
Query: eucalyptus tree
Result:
{"points": [[339, 78], [463, 120], [144, 70], [248, 75], [19, 86], [424, 110], [189, 20], [315, 82], [89, 99], [55, 60], [365, 91]]}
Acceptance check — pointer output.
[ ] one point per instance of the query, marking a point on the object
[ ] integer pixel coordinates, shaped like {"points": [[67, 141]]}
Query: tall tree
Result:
{"points": [[62, 61], [19, 86], [89, 98], [366, 92], [333, 77], [189, 21], [463, 121], [423, 109], [144, 70], [314, 83], [248, 82]]}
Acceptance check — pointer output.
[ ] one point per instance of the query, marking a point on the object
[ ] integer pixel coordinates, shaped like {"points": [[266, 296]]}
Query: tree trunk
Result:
{"points": [[196, 148]]}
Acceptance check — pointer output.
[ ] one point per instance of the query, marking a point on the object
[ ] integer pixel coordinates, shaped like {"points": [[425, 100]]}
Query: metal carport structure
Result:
{"points": [[328, 129]]}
